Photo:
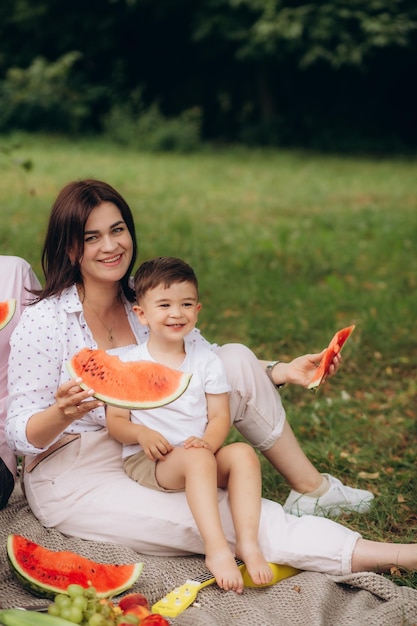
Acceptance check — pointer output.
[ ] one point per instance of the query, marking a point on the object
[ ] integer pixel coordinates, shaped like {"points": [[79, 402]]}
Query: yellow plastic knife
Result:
{"points": [[180, 598]]}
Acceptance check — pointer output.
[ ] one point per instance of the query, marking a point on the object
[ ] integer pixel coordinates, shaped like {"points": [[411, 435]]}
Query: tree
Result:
{"points": [[271, 33]]}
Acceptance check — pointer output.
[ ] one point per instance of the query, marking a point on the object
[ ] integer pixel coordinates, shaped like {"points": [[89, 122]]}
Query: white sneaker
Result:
{"points": [[338, 499]]}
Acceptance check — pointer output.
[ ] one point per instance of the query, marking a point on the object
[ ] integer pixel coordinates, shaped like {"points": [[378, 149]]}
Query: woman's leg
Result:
{"points": [[83, 491], [289, 460], [258, 414], [195, 469], [239, 472], [380, 557]]}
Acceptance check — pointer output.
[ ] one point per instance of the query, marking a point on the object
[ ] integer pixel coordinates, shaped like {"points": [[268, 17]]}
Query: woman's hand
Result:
{"points": [[71, 404], [301, 370], [71, 400]]}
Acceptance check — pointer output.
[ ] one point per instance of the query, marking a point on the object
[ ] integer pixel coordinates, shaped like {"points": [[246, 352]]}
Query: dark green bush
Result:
{"points": [[46, 97], [149, 130]]}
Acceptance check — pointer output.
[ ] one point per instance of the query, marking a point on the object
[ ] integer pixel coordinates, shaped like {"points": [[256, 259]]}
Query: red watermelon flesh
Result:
{"points": [[130, 385], [47, 572], [334, 347], [7, 310]]}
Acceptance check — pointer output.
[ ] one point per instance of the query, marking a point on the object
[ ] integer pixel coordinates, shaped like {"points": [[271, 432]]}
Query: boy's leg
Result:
{"points": [[239, 471], [195, 469]]}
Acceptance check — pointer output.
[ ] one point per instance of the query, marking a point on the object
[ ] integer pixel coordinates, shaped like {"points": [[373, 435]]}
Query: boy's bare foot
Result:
{"points": [[256, 564], [224, 569]]}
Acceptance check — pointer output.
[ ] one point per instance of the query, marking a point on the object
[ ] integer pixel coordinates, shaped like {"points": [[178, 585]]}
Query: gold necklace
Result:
{"points": [[109, 330]]}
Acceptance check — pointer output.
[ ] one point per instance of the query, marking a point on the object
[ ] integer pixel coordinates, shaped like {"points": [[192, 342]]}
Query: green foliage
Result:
{"points": [[43, 97], [147, 129], [339, 33], [324, 75]]}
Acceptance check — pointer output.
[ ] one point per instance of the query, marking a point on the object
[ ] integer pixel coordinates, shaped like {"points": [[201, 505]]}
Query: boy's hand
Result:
{"points": [[196, 442], [154, 444]]}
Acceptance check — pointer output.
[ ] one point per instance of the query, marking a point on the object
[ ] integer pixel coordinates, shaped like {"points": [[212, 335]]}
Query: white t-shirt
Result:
{"points": [[187, 415]]}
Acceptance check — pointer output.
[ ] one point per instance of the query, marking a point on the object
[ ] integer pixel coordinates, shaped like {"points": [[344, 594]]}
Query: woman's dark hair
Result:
{"points": [[65, 234]]}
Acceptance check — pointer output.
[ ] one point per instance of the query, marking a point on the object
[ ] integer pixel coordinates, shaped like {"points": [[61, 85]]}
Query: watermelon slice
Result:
{"points": [[129, 385], [46, 572], [7, 310], [334, 347]]}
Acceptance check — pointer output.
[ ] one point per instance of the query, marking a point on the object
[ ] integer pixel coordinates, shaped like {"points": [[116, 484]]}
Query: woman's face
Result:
{"points": [[108, 246]]}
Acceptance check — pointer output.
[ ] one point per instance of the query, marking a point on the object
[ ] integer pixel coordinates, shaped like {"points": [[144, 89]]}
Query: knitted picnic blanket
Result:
{"points": [[307, 599]]}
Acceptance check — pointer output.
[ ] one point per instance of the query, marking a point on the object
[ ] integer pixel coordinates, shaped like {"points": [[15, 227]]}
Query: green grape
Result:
{"points": [[87, 615], [74, 590], [76, 615], [105, 609], [66, 612], [80, 602], [53, 609], [62, 600], [96, 620], [90, 592]]}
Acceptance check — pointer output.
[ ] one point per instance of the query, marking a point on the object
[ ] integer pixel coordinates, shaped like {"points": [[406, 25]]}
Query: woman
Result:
{"points": [[17, 280], [81, 487]]}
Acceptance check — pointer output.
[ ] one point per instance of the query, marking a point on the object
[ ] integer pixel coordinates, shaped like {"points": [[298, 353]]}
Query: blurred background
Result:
{"points": [[170, 74]]}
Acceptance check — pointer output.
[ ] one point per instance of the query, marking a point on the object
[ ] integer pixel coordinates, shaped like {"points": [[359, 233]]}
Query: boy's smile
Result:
{"points": [[170, 312]]}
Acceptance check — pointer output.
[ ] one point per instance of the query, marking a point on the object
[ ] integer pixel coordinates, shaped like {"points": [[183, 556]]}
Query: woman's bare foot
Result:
{"points": [[225, 570], [256, 564]]}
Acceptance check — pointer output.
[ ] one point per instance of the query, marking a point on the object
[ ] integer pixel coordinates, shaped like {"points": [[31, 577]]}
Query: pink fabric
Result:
{"points": [[16, 277]]}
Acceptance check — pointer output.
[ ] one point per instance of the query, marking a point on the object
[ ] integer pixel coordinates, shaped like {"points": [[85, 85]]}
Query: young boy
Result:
{"points": [[179, 446]]}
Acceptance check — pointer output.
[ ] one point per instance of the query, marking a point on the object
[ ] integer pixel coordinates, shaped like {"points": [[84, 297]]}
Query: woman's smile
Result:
{"points": [[108, 246]]}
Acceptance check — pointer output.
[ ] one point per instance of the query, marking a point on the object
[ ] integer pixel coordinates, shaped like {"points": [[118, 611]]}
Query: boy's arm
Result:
{"points": [[121, 428], [119, 425], [218, 427]]}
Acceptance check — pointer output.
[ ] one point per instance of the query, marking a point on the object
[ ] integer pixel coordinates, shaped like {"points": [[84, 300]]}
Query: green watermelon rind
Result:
{"points": [[46, 590], [11, 302], [131, 404]]}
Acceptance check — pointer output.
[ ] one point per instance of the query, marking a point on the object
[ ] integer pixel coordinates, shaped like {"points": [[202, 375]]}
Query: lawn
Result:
{"points": [[289, 246]]}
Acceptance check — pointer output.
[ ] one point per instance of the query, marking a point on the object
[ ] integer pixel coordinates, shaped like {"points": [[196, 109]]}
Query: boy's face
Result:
{"points": [[170, 312]]}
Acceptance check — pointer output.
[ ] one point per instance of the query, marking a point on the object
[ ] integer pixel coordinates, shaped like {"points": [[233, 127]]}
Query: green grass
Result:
{"points": [[289, 246]]}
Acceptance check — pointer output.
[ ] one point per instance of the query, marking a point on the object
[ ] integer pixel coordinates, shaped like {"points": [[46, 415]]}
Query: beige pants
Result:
{"points": [[255, 404]]}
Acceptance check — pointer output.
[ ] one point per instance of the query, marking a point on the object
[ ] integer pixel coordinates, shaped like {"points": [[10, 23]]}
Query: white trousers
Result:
{"points": [[83, 491]]}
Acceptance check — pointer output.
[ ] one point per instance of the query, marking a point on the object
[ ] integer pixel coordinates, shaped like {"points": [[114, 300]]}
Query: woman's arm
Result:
{"points": [[71, 405], [301, 370], [42, 400]]}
